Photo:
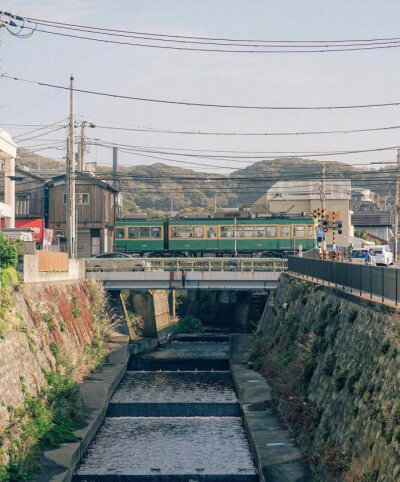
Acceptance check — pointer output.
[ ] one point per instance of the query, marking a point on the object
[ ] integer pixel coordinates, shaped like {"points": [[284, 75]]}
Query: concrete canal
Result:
{"points": [[175, 417]]}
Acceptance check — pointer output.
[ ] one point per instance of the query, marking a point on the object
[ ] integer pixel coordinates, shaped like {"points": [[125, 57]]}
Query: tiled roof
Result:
{"points": [[371, 218]]}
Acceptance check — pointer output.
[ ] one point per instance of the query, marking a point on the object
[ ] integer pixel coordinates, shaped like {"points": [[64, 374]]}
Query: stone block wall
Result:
{"points": [[334, 363]]}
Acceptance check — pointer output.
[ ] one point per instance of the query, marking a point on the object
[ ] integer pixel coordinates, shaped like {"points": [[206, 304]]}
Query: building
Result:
{"points": [[96, 204], [377, 223], [297, 197], [8, 152]]}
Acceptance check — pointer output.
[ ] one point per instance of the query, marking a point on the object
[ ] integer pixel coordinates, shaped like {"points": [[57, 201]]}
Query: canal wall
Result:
{"points": [[148, 313], [333, 362], [60, 328], [230, 310]]}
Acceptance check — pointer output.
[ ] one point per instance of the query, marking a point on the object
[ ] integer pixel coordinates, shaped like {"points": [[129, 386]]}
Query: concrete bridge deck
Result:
{"points": [[187, 273]]}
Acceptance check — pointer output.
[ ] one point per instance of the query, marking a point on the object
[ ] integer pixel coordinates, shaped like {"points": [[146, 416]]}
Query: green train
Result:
{"points": [[270, 236]]}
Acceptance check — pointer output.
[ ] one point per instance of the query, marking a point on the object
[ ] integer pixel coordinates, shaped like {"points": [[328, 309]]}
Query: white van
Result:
{"points": [[383, 255]]}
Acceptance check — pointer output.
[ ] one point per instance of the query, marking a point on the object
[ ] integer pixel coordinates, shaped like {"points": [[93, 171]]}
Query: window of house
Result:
{"points": [[285, 231], [120, 233], [156, 232], [310, 232], [22, 203], [133, 232], [80, 198], [259, 231], [212, 232], [198, 232], [271, 231], [145, 232], [299, 231], [227, 232]]}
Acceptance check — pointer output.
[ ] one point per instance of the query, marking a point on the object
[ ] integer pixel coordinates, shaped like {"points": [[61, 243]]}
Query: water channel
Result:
{"points": [[175, 417]]}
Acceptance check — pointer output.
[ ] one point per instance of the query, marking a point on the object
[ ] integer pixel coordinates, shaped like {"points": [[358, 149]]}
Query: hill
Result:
{"points": [[158, 188]]}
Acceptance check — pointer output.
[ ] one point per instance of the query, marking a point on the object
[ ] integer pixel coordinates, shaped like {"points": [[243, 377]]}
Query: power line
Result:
{"points": [[156, 130], [236, 47], [200, 104]]}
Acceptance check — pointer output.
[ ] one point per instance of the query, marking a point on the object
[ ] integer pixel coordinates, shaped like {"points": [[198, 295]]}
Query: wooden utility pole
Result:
{"points": [[71, 226], [395, 208]]}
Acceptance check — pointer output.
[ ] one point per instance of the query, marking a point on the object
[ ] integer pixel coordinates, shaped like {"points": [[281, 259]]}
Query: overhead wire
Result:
{"points": [[201, 104]]}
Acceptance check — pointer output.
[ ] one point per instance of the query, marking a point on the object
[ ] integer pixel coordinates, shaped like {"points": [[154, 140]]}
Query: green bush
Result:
{"points": [[351, 318], [385, 347], [8, 253], [189, 324], [8, 277]]}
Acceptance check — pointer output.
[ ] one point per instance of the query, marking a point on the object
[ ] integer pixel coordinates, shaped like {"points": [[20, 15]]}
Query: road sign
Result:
{"points": [[320, 233]]}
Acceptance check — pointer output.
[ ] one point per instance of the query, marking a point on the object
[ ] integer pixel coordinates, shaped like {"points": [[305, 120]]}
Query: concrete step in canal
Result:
{"points": [[175, 417]]}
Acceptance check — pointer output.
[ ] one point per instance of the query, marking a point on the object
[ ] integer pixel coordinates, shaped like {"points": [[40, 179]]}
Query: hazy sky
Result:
{"points": [[277, 79]]}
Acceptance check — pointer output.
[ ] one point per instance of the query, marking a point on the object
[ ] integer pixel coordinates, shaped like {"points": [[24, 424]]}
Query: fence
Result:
{"points": [[186, 264], [50, 261], [374, 280]]}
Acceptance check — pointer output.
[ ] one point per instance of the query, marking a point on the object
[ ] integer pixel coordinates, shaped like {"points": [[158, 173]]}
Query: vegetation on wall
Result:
{"points": [[188, 324], [331, 369], [53, 409]]}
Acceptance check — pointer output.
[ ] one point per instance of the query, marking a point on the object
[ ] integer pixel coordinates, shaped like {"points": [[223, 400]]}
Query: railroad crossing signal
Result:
{"points": [[333, 216]]}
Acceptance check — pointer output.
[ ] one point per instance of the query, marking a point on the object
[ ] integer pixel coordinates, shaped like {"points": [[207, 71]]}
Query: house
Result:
{"points": [[96, 205], [8, 152], [377, 223], [303, 196]]}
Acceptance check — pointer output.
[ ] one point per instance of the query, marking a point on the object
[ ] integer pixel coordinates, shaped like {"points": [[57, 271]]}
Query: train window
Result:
{"points": [[227, 232], [212, 232], [239, 232], [156, 232], [259, 231], [285, 231], [271, 231], [133, 233], [182, 232], [120, 233], [198, 232], [310, 232], [248, 232], [144, 232], [299, 231]]}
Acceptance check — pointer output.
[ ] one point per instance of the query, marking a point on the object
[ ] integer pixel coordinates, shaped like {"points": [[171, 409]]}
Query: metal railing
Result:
{"points": [[186, 264], [372, 280]]}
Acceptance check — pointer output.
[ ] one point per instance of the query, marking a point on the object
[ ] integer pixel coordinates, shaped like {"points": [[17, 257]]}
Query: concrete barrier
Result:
{"points": [[32, 273]]}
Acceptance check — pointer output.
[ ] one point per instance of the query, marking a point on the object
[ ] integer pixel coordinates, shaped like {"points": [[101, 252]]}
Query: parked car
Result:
{"points": [[112, 255], [383, 255], [358, 256]]}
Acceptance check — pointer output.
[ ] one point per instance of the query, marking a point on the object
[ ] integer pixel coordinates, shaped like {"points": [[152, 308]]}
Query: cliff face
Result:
{"points": [[59, 328], [334, 365]]}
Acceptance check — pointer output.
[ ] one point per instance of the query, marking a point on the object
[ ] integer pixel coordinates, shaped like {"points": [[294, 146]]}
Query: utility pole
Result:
{"points": [[215, 204], [71, 214], [395, 208], [115, 166], [323, 201], [81, 148]]}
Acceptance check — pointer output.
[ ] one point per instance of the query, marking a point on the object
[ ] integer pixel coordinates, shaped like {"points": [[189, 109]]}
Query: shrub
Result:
{"points": [[385, 347], [341, 380], [8, 277], [189, 324], [351, 317], [76, 311], [330, 364], [9, 253]]}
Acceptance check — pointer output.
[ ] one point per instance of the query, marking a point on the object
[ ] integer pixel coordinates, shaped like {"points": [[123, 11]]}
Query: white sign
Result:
{"points": [[320, 233]]}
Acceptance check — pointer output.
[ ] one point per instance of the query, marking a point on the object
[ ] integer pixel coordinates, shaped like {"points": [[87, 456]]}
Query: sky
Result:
{"points": [[230, 78]]}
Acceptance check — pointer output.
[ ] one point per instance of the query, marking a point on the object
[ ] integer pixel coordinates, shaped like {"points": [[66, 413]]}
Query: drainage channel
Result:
{"points": [[175, 417]]}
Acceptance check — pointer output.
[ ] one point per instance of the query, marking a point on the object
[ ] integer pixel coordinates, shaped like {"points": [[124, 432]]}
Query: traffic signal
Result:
{"points": [[325, 229], [319, 240], [340, 231], [325, 223], [340, 225]]}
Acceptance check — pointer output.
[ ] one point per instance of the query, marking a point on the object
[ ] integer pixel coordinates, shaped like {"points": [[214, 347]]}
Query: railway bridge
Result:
{"points": [[187, 273]]}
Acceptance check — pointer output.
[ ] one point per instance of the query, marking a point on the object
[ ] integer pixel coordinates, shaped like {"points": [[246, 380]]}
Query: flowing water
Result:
{"points": [[172, 426]]}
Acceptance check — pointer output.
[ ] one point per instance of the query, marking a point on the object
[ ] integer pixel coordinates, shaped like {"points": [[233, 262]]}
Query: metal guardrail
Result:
{"points": [[186, 264], [373, 280]]}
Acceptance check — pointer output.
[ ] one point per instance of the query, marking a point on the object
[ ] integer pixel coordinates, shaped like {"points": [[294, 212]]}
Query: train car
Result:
{"points": [[258, 236], [139, 236], [216, 237]]}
